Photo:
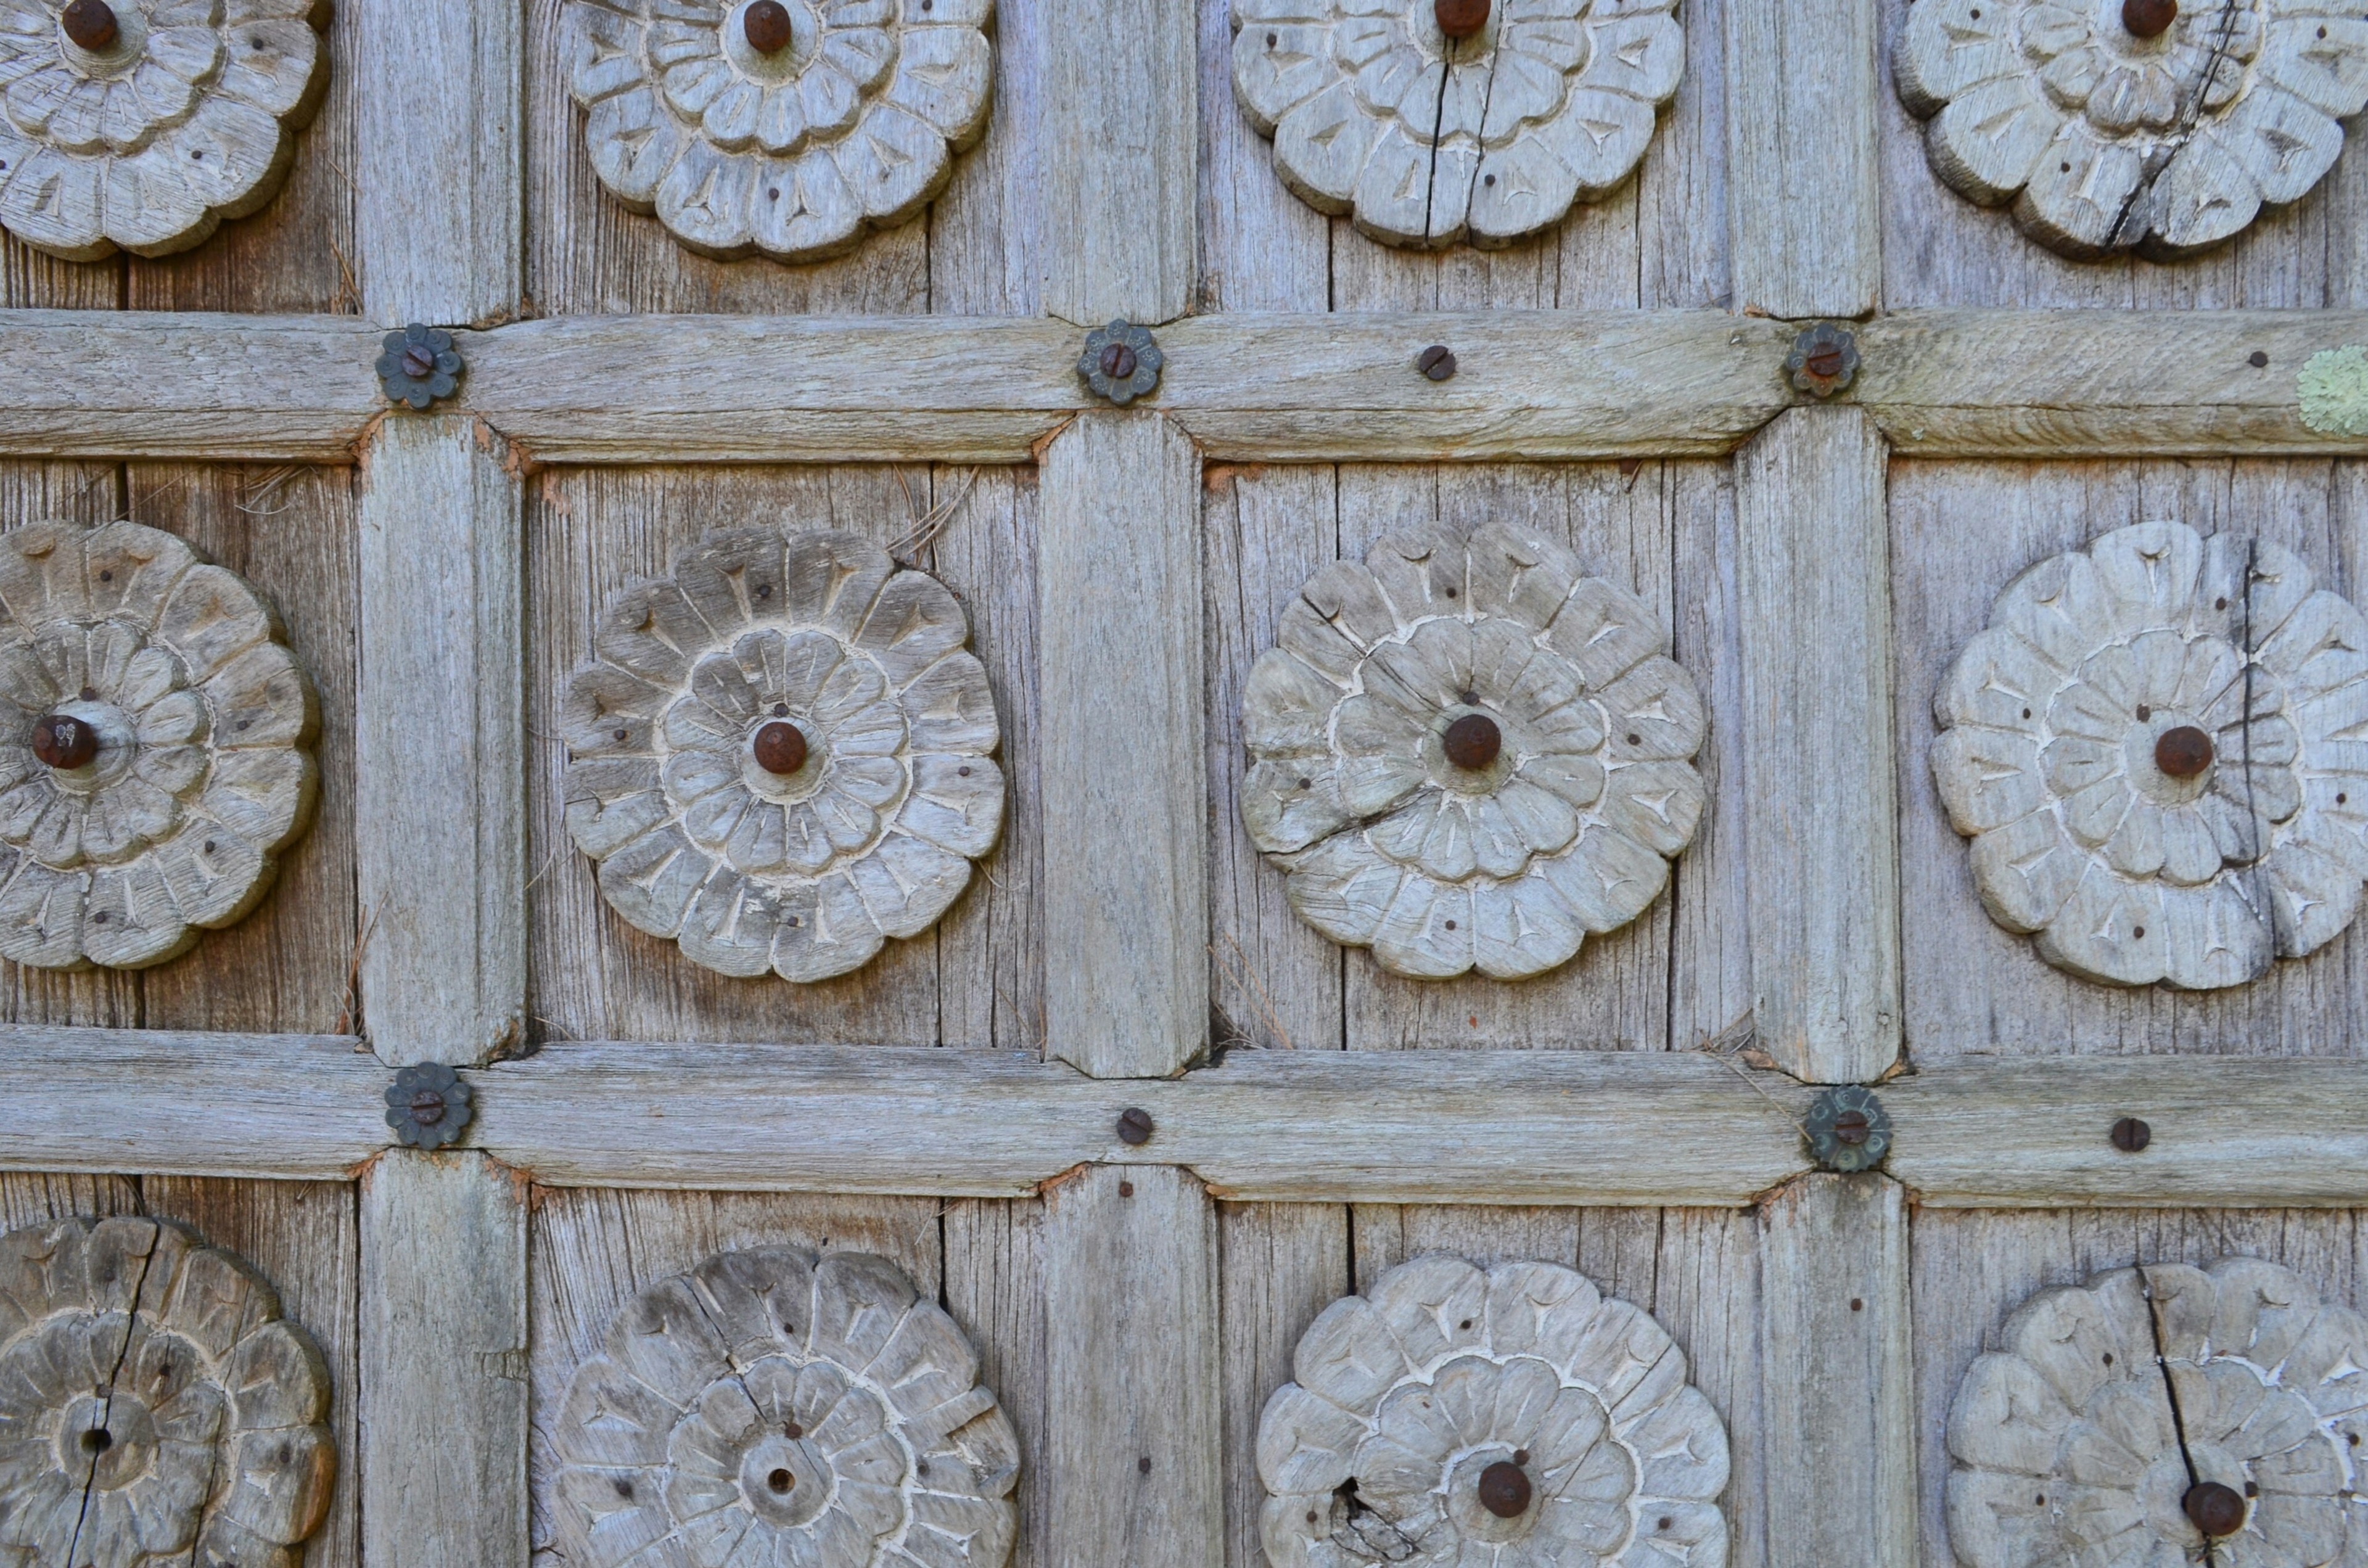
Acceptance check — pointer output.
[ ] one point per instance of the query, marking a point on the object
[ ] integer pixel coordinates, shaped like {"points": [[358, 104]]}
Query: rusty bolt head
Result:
{"points": [[2215, 1509], [64, 741], [1848, 1128], [1118, 362], [780, 748], [1461, 18], [91, 23], [1505, 1487], [2183, 753], [766, 25], [418, 360], [1474, 740], [1135, 1125], [2149, 18], [1121, 362], [2129, 1135], [1824, 360], [426, 1107], [1438, 362], [1851, 1127]]}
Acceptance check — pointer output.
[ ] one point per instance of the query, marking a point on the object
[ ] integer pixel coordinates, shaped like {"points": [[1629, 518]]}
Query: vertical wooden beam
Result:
{"points": [[1132, 1407], [1836, 1368], [1822, 818], [1804, 210], [441, 796], [1124, 778], [1122, 134], [444, 1363]]}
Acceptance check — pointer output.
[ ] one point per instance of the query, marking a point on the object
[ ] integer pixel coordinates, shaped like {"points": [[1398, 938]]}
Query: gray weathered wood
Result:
{"points": [[443, 1362], [994, 1288], [1840, 1467], [442, 870], [1124, 781], [1116, 159], [1804, 227], [1821, 825], [1132, 1405]]}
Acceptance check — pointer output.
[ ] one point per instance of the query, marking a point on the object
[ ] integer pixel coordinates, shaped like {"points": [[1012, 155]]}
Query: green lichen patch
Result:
{"points": [[2334, 389]]}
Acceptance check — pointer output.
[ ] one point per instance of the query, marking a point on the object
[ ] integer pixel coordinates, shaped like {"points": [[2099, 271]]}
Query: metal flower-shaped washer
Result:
{"points": [[1121, 362], [1824, 360], [419, 365], [1849, 1129], [428, 1106]]}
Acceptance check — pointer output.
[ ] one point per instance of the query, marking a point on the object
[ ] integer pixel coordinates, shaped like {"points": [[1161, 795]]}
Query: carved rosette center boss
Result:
{"points": [[2154, 750], [782, 753], [1427, 136], [1513, 1417], [152, 1403], [770, 1408], [2073, 1444], [790, 126], [1464, 753]]}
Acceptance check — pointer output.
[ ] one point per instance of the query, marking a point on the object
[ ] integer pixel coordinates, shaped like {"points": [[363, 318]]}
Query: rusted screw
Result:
{"points": [[766, 25], [427, 1108], [1474, 740], [2183, 753], [1851, 1127], [2258, 359], [418, 360], [1135, 1125], [62, 741], [1505, 1487], [1825, 362], [91, 23], [2215, 1509], [780, 748], [2129, 1135], [1461, 18], [1118, 362], [1438, 362], [2148, 19]]}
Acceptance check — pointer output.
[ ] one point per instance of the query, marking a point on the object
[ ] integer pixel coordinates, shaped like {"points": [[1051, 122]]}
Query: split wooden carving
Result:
{"points": [[2106, 135], [190, 768], [1426, 140], [1465, 753], [177, 116], [153, 1404], [782, 755], [1453, 1416], [2072, 1443], [769, 1407], [848, 122], [2153, 748]]}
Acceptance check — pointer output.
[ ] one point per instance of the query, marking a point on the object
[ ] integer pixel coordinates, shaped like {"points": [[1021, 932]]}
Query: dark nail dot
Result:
{"points": [[1521, 1456], [765, 592], [772, 193], [198, 154], [2026, 713], [1307, 783], [2041, 1499], [1126, 1190], [2138, 933], [209, 845], [1450, 925], [2256, 359], [794, 919], [781, 709], [2352, 1438], [793, 1431], [1269, 40], [2109, 1357], [1666, 1521], [2065, 169], [285, 1453], [98, 1442], [964, 772], [1635, 740], [1465, 1324], [1491, 179], [620, 734], [2219, 604], [920, 1467], [1450, 593], [100, 918], [2145, 712], [2253, 1488], [1858, 1304], [624, 1488], [89, 695], [1144, 1464], [789, 1328], [242, 724], [2339, 799], [106, 576], [1311, 1516]]}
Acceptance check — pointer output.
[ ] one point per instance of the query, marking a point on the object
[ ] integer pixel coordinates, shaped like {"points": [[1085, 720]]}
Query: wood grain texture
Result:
{"points": [[442, 870], [994, 1288], [1277, 1265], [1119, 595], [1116, 159], [1821, 822], [443, 1362], [437, 166], [1803, 220], [1133, 1406], [1842, 1474]]}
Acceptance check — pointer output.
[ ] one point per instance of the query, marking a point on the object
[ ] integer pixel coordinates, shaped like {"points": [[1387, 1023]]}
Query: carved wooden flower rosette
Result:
{"points": [[196, 768], [2104, 139], [1465, 753], [1427, 140], [181, 118], [770, 1408], [2069, 1444], [2151, 748], [152, 1401], [1513, 1417], [781, 754], [850, 124]]}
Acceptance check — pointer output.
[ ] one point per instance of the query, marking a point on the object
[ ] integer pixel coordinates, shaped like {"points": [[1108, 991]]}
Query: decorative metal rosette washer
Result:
{"points": [[2150, 748], [1426, 140], [1465, 753], [782, 755], [417, 365], [144, 124], [429, 1106], [772, 1407], [155, 1409], [155, 745], [2108, 129], [790, 126], [1121, 362], [1515, 1418], [2071, 1444], [1848, 1128]]}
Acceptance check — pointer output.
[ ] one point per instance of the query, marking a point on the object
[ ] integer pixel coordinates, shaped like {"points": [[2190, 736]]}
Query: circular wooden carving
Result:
{"points": [[2104, 137], [1464, 753], [152, 1401], [1426, 140], [673, 783], [2071, 1444], [770, 1408], [2062, 756], [203, 769], [796, 151], [1453, 1416], [179, 118]]}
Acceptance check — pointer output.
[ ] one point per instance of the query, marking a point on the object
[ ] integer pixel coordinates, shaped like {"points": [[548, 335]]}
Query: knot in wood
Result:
{"points": [[2183, 753], [1118, 362], [64, 740], [2149, 18], [1505, 1487], [1461, 18], [89, 23], [2215, 1509], [1474, 740], [766, 25], [780, 748]]}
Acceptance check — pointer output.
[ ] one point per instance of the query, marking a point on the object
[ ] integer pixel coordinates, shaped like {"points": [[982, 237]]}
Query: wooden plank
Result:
{"points": [[1117, 161], [1277, 1265], [994, 1288], [437, 781], [443, 1362], [1821, 826], [1836, 1369], [1122, 769], [1803, 228], [438, 179], [1132, 1405]]}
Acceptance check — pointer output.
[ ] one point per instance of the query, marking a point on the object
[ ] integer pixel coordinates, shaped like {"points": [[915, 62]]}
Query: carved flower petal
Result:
{"points": [[705, 199], [1606, 879], [1522, 929], [1426, 931], [892, 161], [1287, 706], [1321, 147], [2026, 870], [1278, 69], [944, 75], [1949, 46], [2110, 931]]}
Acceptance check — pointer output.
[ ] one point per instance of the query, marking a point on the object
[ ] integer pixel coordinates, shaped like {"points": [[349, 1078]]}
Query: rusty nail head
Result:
{"points": [[1461, 18], [2215, 1509], [1135, 1125], [91, 23], [1852, 1127], [1826, 361], [2258, 359], [766, 25], [426, 1107], [62, 741], [1118, 362], [2129, 1135], [2148, 19], [1126, 1190], [1505, 1490], [418, 360], [780, 748], [1473, 740], [2183, 753], [1438, 362]]}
